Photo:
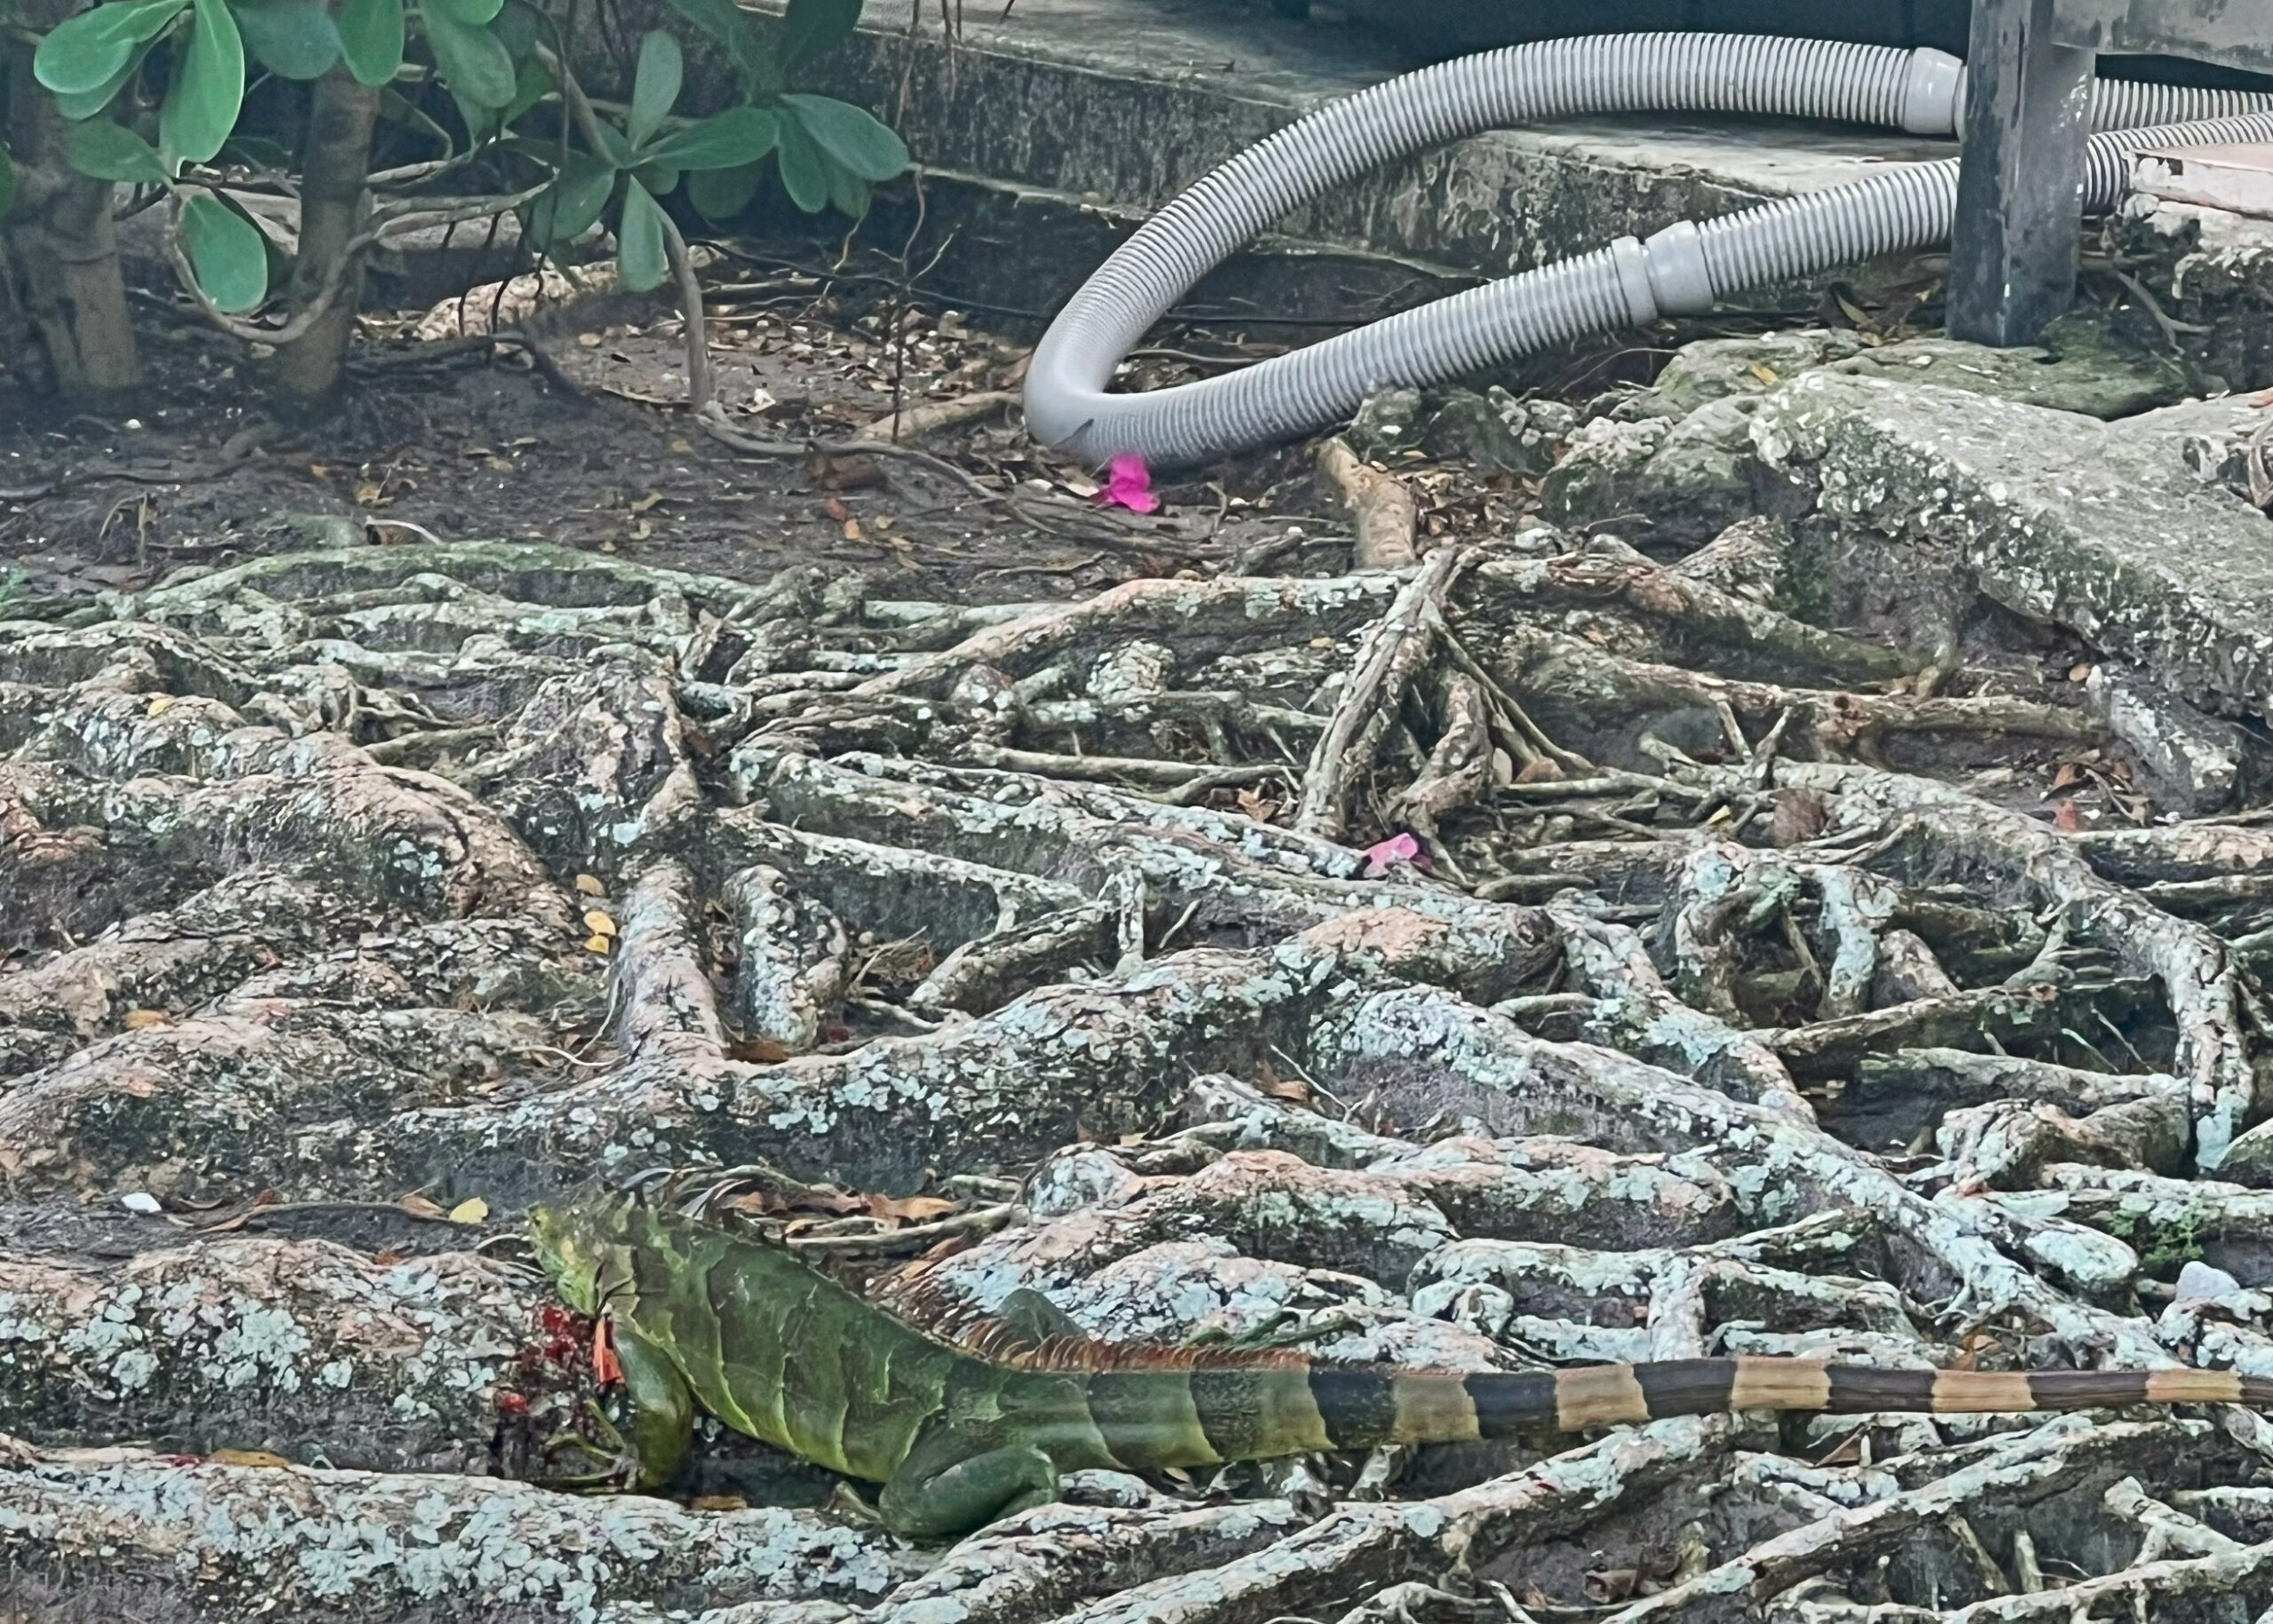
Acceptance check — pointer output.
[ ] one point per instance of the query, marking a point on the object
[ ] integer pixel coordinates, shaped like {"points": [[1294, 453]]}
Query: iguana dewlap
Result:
{"points": [[748, 1332]]}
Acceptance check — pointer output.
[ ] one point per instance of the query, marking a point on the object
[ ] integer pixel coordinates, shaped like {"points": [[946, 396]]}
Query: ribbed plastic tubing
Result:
{"points": [[1682, 270]]}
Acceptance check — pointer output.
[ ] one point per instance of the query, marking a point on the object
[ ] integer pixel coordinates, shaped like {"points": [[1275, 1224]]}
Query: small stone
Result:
{"points": [[1388, 425], [2198, 1283], [1496, 431], [1718, 369], [141, 1201]]}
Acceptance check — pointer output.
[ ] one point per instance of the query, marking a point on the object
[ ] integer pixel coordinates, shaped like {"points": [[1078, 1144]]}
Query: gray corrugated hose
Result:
{"points": [[1679, 271]]}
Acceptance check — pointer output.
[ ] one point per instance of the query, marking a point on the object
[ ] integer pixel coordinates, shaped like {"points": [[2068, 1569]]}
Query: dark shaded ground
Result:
{"points": [[463, 440]]}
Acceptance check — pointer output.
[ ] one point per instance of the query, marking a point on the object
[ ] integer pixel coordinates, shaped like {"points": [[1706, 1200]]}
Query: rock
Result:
{"points": [[2198, 1283], [1498, 432], [2249, 1159], [1720, 369], [1746, 561], [2059, 517], [2194, 764], [2079, 367], [1688, 479], [1389, 423]]}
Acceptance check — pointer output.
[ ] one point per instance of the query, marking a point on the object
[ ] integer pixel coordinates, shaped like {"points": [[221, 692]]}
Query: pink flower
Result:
{"points": [[1397, 849], [1130, 484]]}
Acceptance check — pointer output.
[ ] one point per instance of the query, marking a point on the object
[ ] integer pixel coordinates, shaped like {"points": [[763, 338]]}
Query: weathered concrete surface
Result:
{"points": [[2097, 526], [2076, 366], [1679, 454], [1123, 106]]}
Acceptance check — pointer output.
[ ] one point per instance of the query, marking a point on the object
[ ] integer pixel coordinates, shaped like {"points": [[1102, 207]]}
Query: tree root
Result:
{"points": [[322, 1541], [1662, 1045]]}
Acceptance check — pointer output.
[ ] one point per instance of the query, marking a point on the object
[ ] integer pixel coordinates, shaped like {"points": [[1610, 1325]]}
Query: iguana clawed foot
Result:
{"points": [[618, 1460]]}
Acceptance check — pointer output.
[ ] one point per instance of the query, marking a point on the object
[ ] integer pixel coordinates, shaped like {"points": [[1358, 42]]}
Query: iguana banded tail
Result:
{"points": [[775, 1348]]}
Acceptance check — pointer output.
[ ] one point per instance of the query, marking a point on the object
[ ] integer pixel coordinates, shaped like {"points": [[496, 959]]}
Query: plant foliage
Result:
{"points": [[188, 61]]}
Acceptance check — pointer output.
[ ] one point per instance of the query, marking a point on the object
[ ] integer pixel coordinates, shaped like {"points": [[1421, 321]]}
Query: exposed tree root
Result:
{"points": [[357, 897]]}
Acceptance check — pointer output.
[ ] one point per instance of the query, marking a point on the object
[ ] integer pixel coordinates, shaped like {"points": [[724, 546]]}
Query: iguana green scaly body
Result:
{"points": [[751, 1334]]}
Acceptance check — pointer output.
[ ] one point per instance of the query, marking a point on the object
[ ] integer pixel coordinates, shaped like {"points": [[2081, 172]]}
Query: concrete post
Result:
{"points": [[2019, 199]]}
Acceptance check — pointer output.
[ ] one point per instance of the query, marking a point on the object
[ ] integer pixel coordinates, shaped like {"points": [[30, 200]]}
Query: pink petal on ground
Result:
{"points": [[1397, 849], [1130, 484]]}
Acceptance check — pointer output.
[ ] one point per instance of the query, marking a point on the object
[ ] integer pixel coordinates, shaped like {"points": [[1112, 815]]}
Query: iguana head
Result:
{"points": [[571, 1240]]}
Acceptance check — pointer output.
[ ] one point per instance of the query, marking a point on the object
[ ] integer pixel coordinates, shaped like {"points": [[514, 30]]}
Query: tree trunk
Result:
{"points": [[61, 253], [333, 204]]}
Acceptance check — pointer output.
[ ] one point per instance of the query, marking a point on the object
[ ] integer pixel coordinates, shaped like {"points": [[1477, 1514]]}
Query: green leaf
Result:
{"points": [[518, 28], [481, 122], [94, 48], [112, 151], [85, 104], [532, 83], [848, 134], [209, 87], [847, 192], [566, 209], [474, 61], [294, 39], [812, 28], [467, 13], [804, 173], [726, 22], [370, 37], [659, 180], [654, 84], [731, 139], [226, 252], [720, 194], [641, 259], [619, 150]]}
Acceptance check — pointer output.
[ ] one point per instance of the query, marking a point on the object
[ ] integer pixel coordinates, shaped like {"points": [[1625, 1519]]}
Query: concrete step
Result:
{"points": [[1119, 105]]}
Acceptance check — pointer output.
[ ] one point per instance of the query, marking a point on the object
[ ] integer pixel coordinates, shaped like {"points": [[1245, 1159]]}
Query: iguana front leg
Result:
{"points": [[951, 1484], [661, 1421], [659, 1425]]}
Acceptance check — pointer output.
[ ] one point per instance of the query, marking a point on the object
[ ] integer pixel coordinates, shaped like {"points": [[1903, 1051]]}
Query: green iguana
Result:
{"points": [[750, 1333]]}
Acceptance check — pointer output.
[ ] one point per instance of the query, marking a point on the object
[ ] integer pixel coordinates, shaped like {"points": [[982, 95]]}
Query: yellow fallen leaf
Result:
{"points": [[646, 502], [596, 944], [598, 923], [420, 1207], [590, 886], [142, 1020], [474, 1209], [158, 702], [247, 1457], [1760, 369], [370, 496]]}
